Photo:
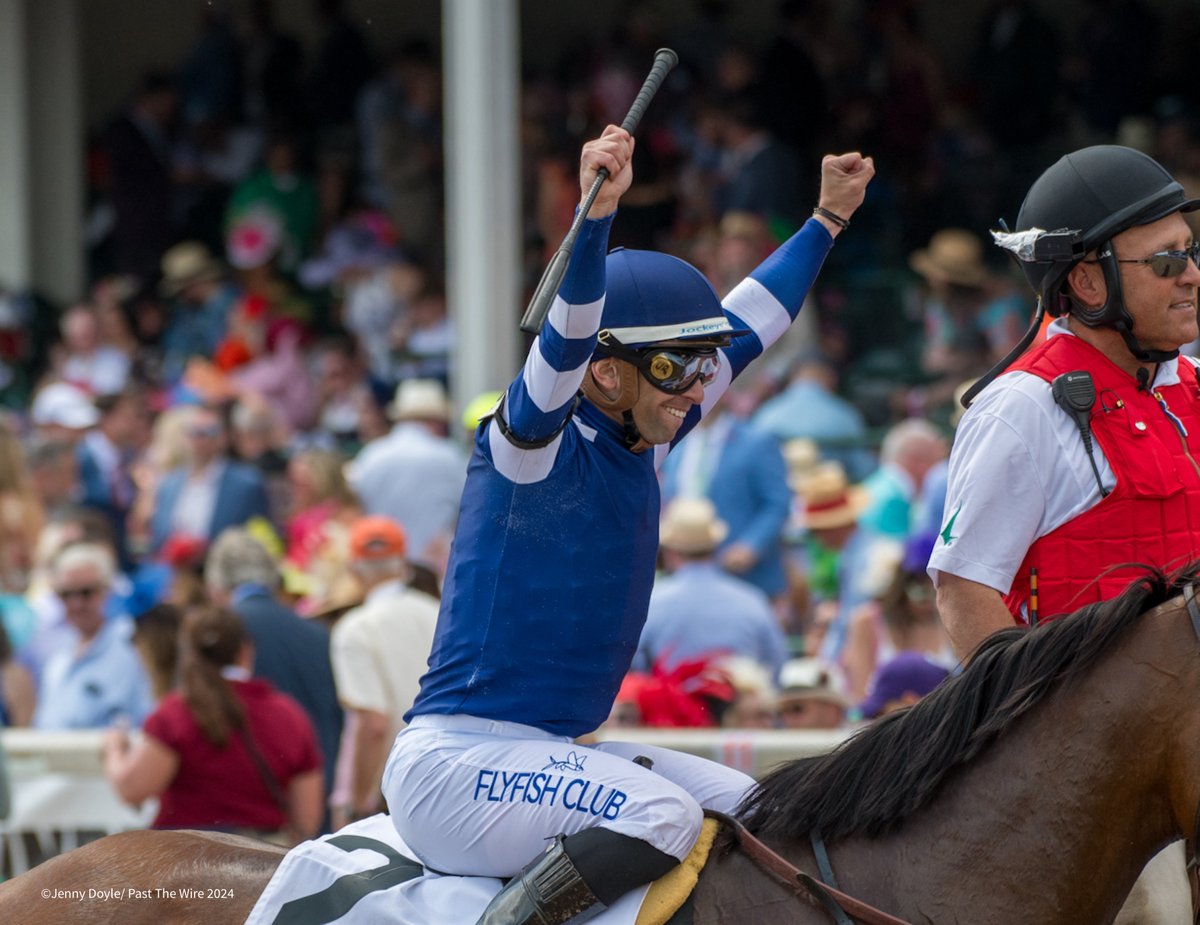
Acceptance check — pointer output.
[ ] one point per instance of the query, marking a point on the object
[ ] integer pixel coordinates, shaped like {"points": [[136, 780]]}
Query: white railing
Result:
{"points": [[58, 790], [754, 751]]}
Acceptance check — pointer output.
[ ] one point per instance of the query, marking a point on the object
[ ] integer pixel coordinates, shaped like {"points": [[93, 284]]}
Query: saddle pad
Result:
{"points": [[364, 874], [670, 891]]}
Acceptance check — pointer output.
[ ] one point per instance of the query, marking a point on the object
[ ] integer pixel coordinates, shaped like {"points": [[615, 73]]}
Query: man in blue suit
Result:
{"points": [[742, 472], [209, 494]]}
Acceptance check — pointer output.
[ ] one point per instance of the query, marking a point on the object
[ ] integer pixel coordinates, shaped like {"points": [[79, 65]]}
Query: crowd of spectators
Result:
{"points": [[245, 421]]}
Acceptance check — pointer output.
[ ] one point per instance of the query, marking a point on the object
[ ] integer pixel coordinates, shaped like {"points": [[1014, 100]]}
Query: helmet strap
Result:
{"points": [[1139, 352], [628, 388], [1022, 345], [1114, 314], [633, 437], [629, 378]]}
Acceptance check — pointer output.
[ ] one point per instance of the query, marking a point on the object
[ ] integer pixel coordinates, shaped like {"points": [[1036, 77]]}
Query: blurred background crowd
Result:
{"points": [[229, 470]]}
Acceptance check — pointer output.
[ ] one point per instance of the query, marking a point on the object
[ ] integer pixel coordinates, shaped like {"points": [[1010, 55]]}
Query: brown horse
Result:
{"points": [[1034, 787]]}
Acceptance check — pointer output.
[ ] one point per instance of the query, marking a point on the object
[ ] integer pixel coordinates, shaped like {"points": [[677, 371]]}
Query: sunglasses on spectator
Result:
{"points": [[86, 592], [1169, 264], [211, 430]]}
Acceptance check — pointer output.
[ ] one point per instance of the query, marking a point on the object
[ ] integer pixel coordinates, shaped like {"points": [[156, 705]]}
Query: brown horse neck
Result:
{"points": [[1051, 824]]}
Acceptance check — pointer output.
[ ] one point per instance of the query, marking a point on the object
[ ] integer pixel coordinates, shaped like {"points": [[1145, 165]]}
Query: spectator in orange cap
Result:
{"points": [[379, 653]]}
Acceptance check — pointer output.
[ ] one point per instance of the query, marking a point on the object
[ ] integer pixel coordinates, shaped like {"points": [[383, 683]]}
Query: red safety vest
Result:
{"points": [[1152, 442]]}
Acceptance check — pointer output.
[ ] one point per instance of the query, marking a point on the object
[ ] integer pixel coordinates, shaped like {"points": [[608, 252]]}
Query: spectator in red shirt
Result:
{"points": [[225, 751]]}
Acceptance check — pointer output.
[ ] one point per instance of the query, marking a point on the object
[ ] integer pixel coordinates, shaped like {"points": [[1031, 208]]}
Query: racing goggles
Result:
{"points": [[1169, 264], [671, 369], [675, 371]]}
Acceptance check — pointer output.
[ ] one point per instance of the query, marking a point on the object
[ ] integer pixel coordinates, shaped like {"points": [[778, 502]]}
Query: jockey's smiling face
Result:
{"points": [[659, 415], [662, 404]]}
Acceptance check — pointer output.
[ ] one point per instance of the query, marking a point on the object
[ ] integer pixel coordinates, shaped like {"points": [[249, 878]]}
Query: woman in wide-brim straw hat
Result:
{"points": [[972, 316], [954, 256]]}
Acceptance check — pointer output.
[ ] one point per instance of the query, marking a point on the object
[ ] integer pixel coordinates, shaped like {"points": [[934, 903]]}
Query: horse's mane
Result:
{"points": [[872, 782]]}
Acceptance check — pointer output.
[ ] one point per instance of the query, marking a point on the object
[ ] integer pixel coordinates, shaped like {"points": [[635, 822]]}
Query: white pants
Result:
{"points": [[478, 796], [1162, 894]]}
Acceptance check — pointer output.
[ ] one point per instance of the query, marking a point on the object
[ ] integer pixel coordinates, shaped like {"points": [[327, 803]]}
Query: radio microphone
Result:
{"points": [[1075, 393]]}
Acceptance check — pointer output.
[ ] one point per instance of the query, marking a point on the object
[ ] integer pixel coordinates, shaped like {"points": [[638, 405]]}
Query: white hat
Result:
{"points": [[691, 526], [808, 678], [420, 399], [65, 405], [802, 456]]}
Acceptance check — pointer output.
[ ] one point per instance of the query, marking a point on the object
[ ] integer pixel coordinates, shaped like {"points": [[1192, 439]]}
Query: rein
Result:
{"points": [[833, 901], [1193, 610], [823, 895]]}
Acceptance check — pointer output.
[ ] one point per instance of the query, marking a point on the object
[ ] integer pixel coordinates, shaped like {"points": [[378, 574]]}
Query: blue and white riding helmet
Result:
{"points": [[663, 318], [655, 299]]}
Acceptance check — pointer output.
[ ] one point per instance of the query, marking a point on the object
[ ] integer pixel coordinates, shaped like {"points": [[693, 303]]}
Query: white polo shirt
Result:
{"points": [[379, 650], [1018, 471]]}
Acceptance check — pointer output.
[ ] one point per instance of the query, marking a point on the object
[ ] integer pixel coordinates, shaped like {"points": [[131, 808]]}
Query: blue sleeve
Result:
{"points": [[540, 398], [766, 303], [790, 271], [783, 283]]}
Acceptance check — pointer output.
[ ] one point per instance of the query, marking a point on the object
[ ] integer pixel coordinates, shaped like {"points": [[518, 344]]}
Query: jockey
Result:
{"points": [[550, 573], [1083, 455]]}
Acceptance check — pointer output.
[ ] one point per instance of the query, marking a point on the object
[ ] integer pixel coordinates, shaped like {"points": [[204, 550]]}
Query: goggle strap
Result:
{"points": [[626, 396]]}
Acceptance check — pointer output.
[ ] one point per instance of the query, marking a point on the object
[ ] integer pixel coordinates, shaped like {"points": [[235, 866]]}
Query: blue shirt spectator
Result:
{"points": [[211, 492], [96, 679], [741, 470], [701, 610], [94, 686], [808, 407], [200, 301]]}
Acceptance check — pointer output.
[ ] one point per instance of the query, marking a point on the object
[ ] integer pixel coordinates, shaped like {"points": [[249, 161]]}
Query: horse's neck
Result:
{"points": [[1055, 820]]}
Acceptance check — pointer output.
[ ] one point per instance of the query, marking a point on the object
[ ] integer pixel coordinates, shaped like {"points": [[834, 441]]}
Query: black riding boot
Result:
{"points": [[549, 891]]}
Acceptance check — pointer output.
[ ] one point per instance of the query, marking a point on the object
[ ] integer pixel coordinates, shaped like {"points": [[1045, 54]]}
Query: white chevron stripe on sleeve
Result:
{"points": [[751, 301], [576, 321], [524, 467], [550, 388]]}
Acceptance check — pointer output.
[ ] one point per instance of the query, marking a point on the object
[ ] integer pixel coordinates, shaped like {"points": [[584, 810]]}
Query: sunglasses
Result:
{"points": [[210, 431], [84, 593], [1169, 264], [675, 371]]}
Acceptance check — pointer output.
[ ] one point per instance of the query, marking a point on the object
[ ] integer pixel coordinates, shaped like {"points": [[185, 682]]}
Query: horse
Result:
{"points": [[1032, 787]]}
